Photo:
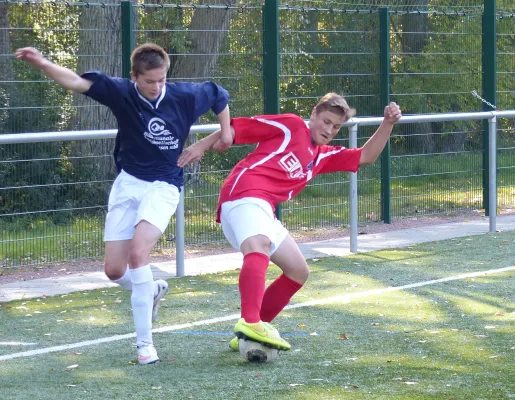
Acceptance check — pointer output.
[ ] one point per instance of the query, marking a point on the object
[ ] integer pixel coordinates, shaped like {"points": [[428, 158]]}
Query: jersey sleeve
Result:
{"points": [[337, 159], [105, 89], [260, 128], [209, 96]]}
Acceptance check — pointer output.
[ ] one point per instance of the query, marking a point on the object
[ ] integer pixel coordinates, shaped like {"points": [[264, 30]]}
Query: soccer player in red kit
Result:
{"points": [[289, 153]]}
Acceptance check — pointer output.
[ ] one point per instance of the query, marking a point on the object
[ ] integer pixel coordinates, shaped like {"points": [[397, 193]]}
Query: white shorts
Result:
{"points": [[248, 217], [132, 200]]}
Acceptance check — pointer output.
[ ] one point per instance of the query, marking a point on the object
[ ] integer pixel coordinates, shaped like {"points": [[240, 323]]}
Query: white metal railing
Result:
{"points": [[353, 125]]}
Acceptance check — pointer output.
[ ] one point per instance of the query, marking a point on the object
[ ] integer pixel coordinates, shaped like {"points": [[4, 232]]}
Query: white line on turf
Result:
{"points": [[17, 344], [335, 299]]}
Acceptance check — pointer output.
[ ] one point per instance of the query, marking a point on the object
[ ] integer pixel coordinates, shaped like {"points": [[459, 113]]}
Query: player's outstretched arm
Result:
{"points": [[194, 152], [226, 137], [375, 145], [62, 76]]}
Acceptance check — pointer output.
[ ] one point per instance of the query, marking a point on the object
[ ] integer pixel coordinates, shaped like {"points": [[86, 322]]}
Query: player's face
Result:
{"points": [[324, 126], [151, 82]]}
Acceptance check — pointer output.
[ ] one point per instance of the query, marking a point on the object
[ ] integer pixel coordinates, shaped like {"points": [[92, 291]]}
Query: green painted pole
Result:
{"points": [[489, 53], [384, 65], [271, 64], [127, 37]]}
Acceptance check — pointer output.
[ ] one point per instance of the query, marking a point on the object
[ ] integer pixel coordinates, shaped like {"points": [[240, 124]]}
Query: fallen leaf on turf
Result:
{"points": [[411, 383], [73, 366], [132, 363], [71, 385], [156, 387], [342, 336], [296, 384], [301, 326]]}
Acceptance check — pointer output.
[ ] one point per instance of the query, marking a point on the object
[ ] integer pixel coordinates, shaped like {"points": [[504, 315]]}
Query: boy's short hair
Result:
{"points": [[148, 56], [335, 103]]}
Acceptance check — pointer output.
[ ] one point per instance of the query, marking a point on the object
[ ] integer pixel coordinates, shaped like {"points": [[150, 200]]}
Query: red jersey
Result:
{"points": [[284, 161]]}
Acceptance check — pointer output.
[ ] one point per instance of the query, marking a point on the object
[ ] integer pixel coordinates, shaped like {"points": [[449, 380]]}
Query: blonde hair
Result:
{"points": [[336, 104], [148, 56]]}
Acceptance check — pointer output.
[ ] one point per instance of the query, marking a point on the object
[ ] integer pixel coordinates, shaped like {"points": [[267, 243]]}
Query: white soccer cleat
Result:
{"points": [[147, 354], [162, 289]]}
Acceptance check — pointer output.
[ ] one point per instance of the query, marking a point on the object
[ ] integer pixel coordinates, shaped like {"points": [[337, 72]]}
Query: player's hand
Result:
{"points": [[392, 113], [190, 155], [224, 142], [31, 55]]}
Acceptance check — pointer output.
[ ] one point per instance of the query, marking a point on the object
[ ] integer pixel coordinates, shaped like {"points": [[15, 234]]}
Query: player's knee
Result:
{"points": [[114, 271], [300, 274], [303, 274]]}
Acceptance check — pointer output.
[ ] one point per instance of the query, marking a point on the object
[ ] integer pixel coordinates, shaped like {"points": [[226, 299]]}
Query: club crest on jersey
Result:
{"points": [[291, 164], [159, 136]]}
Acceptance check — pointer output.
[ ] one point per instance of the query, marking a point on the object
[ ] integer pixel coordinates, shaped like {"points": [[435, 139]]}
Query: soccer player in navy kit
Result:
{"points": [[154, 119], [289, 154]]}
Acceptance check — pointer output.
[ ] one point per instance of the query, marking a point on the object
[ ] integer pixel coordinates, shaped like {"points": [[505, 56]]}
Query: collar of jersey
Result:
{"points": [[163, 92]]}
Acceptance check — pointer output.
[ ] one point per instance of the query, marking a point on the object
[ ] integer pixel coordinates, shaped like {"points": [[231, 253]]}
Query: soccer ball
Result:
{"points": [[255, 352]]}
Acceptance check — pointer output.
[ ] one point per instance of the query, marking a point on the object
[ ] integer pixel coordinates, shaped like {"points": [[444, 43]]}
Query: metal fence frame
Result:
{"points": [[353, 126]]}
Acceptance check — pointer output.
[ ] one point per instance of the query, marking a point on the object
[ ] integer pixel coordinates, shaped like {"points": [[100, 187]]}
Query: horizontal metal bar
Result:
{"points": [[12, 138]]}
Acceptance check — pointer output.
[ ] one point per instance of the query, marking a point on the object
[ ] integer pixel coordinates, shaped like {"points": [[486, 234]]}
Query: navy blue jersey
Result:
{"points": [[151, 135]]}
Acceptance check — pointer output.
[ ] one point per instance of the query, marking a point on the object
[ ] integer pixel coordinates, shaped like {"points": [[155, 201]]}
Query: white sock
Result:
{"points": [[125, 281], [156, 289], [142, 300]]}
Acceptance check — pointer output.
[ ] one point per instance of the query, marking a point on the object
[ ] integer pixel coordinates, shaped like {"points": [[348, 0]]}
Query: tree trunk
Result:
{"points": [[414, 39], [100, 35], [208, 29]]}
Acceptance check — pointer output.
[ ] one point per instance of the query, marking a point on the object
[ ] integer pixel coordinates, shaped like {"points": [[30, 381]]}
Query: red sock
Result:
{"points": [[277, 296], [252, 285]]}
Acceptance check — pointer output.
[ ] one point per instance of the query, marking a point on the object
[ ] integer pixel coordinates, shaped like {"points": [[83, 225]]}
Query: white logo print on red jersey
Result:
{"points": [[291, 164]]}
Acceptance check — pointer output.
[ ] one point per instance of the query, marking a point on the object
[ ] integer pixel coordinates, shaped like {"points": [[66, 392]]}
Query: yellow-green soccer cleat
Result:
{"points": [[234, 344], [261, 332]]}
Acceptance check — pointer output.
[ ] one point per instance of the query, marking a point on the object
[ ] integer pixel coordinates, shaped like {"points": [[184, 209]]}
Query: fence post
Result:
{"points": [[492, 173], [179, 236], [127, 37], [489, 54], [384, 57], [271, 64], [353, 188]]}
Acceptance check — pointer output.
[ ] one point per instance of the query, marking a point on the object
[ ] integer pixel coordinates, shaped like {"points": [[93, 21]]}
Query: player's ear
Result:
{"points": [[133, 76], [314, 112]]}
